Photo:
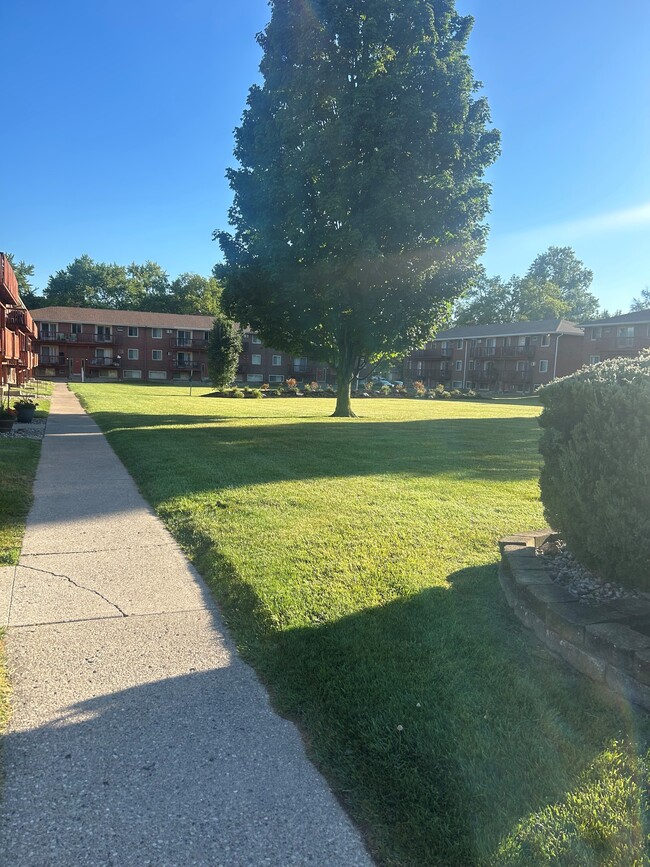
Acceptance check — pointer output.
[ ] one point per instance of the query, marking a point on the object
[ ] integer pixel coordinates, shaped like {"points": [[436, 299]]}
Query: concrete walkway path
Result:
{"points": [[138, 736]]}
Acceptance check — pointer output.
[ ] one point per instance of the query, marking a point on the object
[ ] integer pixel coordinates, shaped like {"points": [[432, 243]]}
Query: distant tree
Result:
{"points": [[641, 303], [223, 351], [86, 283], [192, 293], [359, 201], [561, 266], [554, 287], [148, 287], [24, 272]]}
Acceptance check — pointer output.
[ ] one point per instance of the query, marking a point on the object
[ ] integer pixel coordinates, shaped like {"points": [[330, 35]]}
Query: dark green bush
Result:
{"points": [[595, 482]]}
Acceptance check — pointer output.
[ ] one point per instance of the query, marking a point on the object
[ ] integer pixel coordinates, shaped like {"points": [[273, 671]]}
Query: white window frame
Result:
{"points": [[130, 373], [256, 358], [157, 336], [156, 355], [133, 353], [546, 340], [276, 377], [255, 339], [594, 359], [276, 361], [459, 344], [132, 331], [543, 365], [254, 377], [459, 365]]}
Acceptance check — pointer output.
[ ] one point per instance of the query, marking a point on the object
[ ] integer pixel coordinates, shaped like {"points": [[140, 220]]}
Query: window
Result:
{"points": [[77, 327], [255, 339], [546, 339], [459, 365], [596, 333], [255, 377], [157, 374], [103, 332], [594, 359], [459, 344], [276, 377], [156, 354], [156, 333], [132, 374], [276, 360], [183, 338], [256, 358], [133, 331], [457, 383], [132, 354], [543, 366], [470, 364]]}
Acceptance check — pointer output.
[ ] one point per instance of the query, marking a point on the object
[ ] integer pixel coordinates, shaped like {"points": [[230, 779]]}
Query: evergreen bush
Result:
{"points": [[595, 482]]}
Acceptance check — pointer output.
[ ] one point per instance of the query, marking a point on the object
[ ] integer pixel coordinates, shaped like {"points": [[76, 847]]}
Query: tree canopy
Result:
{"points": [[24, 272], [555, 286], [359, 201], [147, 287], [223, 351]]}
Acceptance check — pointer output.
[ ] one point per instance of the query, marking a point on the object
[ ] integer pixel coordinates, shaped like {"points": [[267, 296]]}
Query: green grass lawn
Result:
{"points": [[18, 462], [356, 563]]}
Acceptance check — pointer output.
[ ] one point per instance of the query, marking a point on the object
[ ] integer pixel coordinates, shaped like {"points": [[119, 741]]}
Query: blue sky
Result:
{"points": [[118, 121]]}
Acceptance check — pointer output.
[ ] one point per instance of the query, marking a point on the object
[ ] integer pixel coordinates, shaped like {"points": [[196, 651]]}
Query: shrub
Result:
{"points": [[445, 395], [455, 392], [386, 390], [420, 388], [595, 482], [470, 393], [439, 389]]}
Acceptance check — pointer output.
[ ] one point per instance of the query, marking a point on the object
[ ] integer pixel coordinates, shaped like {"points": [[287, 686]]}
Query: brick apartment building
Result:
{"points": [[515, 356], [130, 345], [18, 332], [626, 334]]}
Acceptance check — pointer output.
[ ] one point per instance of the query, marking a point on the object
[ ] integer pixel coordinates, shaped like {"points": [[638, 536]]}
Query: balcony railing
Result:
{"points": [[52, 360], [178, 364], [68, 337], [431, 353], [187, 343], [501, 352], [105, 362]]}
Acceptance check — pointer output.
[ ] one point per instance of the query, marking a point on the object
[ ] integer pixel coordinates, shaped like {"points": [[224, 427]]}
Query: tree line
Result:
{"points": [[147, 287]]}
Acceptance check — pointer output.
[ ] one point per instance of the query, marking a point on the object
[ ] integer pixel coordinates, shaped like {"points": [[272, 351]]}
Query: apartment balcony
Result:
{"points": [[86, 339], [186, 343], [104, 362], [178, 364], [52, 360], [21, 320], [501, 352], [517, 376], [432, 353]]}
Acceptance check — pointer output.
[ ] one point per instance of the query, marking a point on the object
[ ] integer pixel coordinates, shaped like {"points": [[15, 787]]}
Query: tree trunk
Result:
{"points": [[343, 388]]}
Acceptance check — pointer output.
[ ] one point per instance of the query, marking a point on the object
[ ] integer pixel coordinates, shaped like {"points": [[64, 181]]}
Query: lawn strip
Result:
{"points": [[355, 562]]}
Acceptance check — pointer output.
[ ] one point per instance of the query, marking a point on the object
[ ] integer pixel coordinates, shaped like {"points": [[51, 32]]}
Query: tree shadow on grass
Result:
{"points": [[212, 455], [438, 719]]}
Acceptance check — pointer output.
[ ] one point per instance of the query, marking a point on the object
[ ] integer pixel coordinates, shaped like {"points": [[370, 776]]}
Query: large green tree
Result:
{"points": [[359, 202]]}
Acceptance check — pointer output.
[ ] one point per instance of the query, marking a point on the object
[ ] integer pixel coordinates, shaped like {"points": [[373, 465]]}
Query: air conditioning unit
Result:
{"points": [[170, 331]]}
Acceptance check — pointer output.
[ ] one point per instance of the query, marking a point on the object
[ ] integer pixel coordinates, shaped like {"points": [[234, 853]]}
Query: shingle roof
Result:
{"points": [[95, 316], [640, 316], [512, 329]]}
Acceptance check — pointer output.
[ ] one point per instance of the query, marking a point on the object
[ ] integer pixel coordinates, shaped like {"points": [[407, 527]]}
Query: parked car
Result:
{"points": [[379, 381]]}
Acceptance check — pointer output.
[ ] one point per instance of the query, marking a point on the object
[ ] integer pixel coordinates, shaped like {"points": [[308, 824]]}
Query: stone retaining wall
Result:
{"points": [[609, 642]]}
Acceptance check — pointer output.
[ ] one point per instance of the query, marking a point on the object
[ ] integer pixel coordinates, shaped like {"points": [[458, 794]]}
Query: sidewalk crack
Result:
{"points": [[171, 544], [79, 586]]}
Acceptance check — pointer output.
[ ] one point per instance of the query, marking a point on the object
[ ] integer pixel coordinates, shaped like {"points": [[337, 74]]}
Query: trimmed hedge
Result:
{"points": [[595, 482]]}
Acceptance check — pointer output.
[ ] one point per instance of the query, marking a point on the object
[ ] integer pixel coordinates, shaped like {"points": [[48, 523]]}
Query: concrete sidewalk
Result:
{"points": [[138, 736]]}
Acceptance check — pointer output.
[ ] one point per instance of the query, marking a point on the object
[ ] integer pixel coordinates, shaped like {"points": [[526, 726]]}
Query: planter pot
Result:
{"points": [[25, 414], [6, 425]]}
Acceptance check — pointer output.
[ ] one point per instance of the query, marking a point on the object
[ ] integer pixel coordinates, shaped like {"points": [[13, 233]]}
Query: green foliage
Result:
{"points": [[595, 482], [224, 347], [24, 272], [359, 201], [642, 302], [602, 822], [554, 287], [86, 283]]}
